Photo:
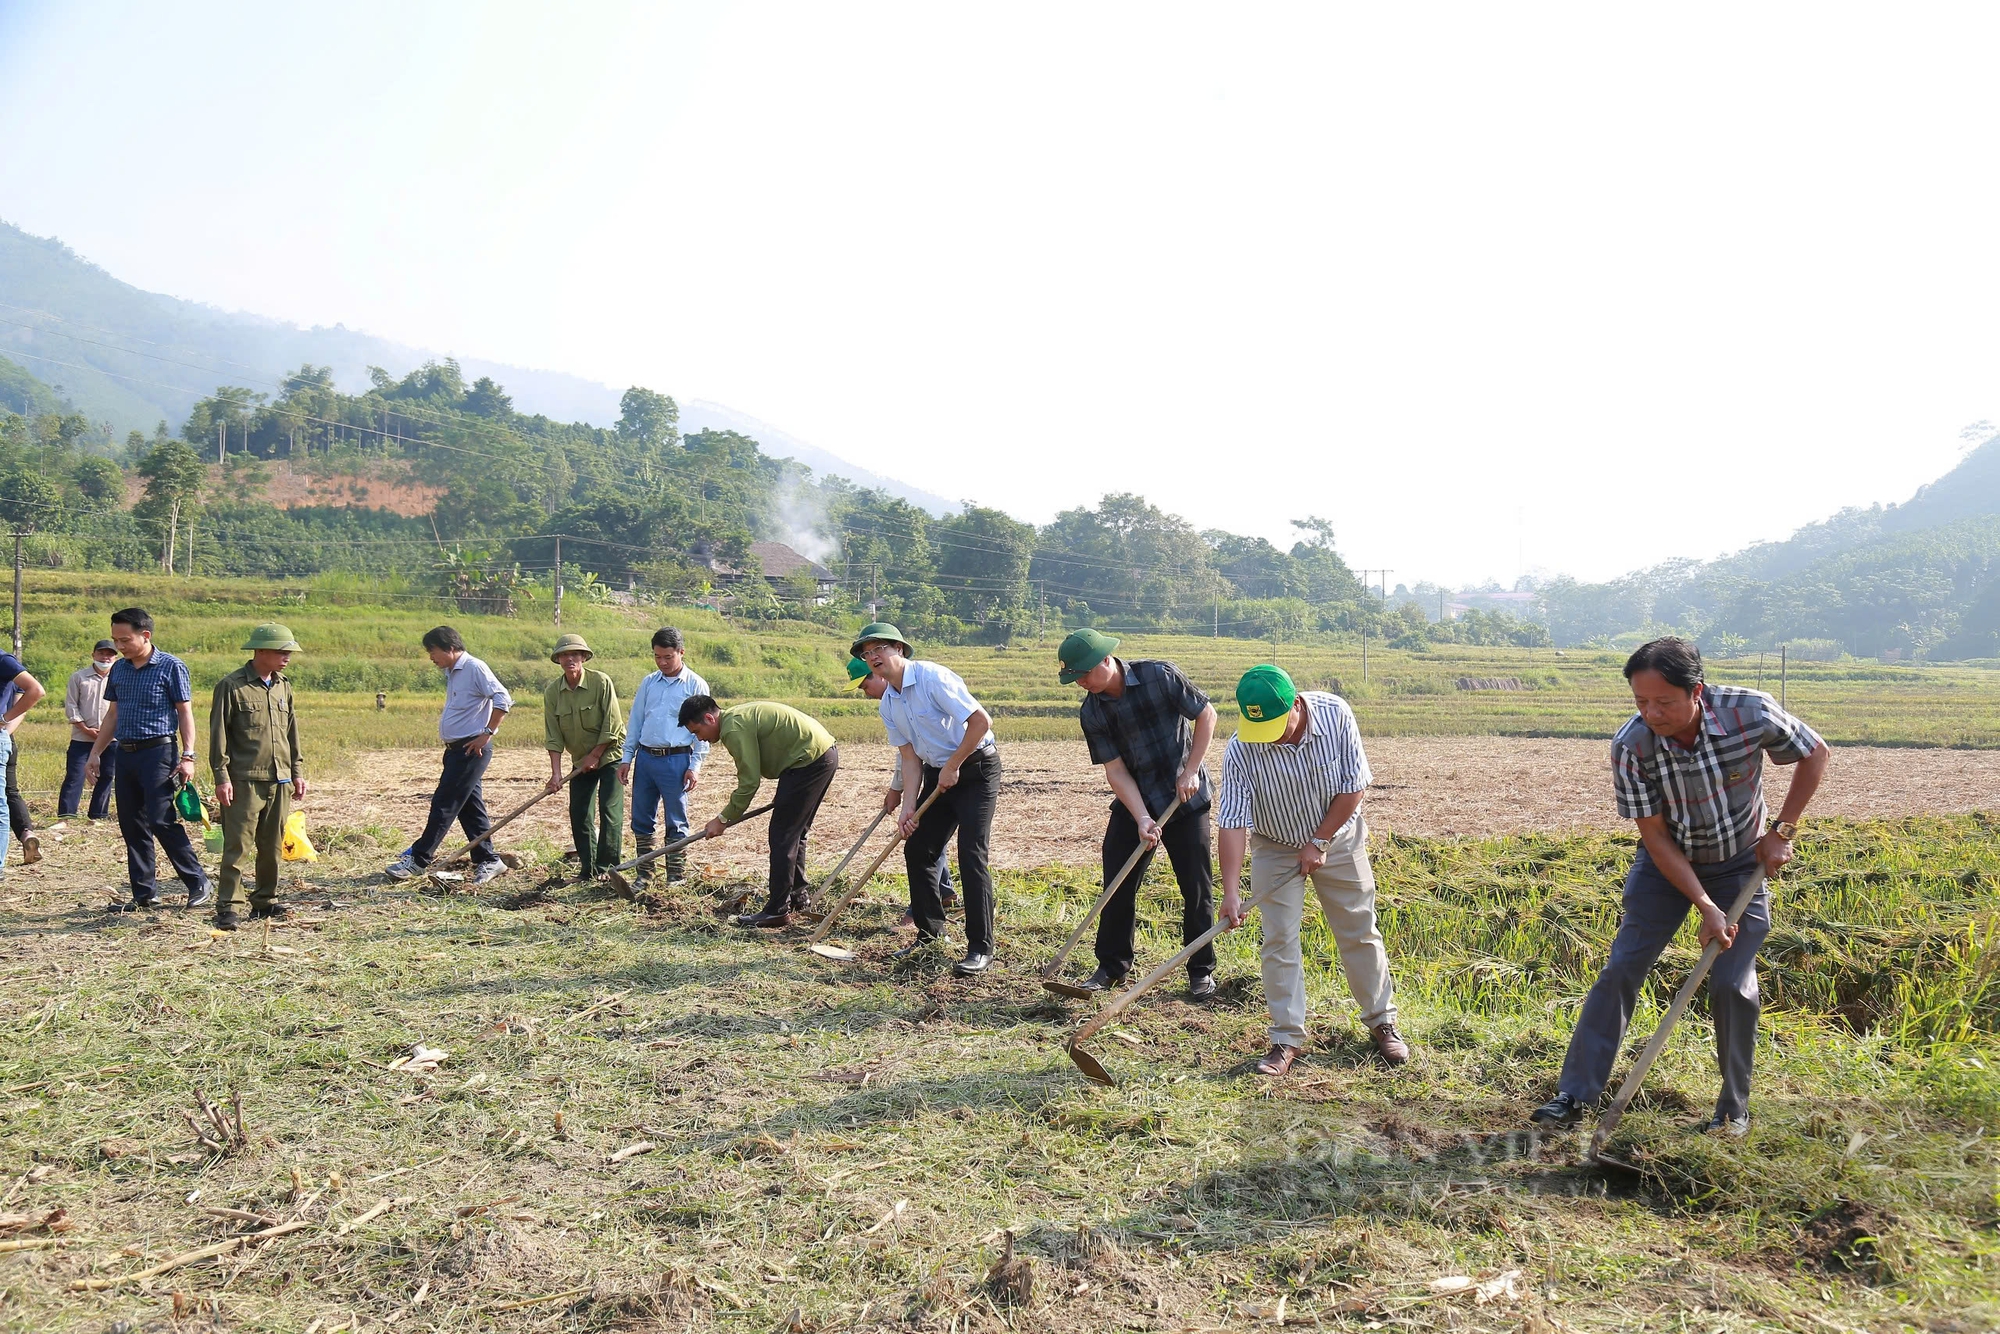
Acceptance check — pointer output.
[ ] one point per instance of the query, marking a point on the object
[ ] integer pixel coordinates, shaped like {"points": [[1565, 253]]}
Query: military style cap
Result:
{"points": [[271, 635], [883, 631], [1082, 651], [571, 644]]}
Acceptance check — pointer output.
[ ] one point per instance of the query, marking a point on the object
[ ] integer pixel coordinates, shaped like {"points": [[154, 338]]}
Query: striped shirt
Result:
{"points": [[1283, 792], [146, 696], [1712, 792]]}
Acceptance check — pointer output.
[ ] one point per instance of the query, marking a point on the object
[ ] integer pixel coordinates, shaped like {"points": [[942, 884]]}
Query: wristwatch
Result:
{"points": [[1785, 829], [187, 754], [1322, 843]]}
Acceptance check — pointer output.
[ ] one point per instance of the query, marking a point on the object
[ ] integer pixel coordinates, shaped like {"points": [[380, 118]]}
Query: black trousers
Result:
{"points": [[458, 797], [800, 792], [17, 805], [1185, 838], [145, 786], [967, 809], [72, 783]]}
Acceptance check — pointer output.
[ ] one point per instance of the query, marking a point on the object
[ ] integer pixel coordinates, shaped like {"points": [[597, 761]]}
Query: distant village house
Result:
{"points": [[779, 562]]}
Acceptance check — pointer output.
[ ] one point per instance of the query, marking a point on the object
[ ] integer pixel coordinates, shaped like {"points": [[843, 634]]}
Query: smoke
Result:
{"points": [[802, 518]]}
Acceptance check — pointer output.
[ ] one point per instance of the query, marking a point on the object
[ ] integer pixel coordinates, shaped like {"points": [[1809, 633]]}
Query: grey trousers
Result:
{"points": [[1654, 911]]}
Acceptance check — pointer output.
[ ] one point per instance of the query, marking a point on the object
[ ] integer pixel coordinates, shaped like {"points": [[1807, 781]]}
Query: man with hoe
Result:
{"points": [[580, 715], [148, 707], [771, 740], [475, 704], [83, 705], [662, 760], [19, 692], [946, 740], [253, 750], [1292, 781], [1148, 725], [1688, 768], [863, 678]]}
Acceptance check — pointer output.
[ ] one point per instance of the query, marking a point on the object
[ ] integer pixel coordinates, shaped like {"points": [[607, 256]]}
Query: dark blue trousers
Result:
{"points": [[145, 787], [1654, 911], [72, 784], [459, 797]]}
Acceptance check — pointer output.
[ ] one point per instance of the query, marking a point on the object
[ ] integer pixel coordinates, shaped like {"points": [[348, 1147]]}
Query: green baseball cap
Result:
{"points": [[271, 635], [1265, 697], [857, 672], [1082, 651], [883, 631]]}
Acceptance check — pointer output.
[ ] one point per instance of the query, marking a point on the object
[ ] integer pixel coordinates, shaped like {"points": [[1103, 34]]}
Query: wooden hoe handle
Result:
{"points": [[854, 885], [1055, 965]]}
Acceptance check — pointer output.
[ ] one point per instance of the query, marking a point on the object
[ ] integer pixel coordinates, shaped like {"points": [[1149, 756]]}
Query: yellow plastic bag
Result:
{"points": [[298, 848]]}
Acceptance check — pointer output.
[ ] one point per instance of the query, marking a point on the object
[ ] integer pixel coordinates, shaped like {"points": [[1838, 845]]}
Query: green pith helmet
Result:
{"points": [[857, 672], [879, 630], [1082, 651], [271, 635], [571, 644]]}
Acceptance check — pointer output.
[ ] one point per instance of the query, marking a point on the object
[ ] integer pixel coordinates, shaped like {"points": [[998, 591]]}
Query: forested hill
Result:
{"points": [[1916, 580], [127, 359]]}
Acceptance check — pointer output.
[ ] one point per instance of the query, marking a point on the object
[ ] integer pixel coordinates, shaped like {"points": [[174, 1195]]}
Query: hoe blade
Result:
{"points": [[621, 886], [1089, 1065], [1069, 989], [834, 952]]}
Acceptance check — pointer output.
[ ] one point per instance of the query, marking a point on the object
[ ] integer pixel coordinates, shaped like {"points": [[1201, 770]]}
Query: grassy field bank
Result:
{"points": [[844, 1147]]}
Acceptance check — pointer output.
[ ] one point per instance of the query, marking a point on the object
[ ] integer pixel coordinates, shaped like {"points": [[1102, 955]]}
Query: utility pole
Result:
{"points": [[17, 595], [1784, 651], [222, 442], [1215, 619], [1440, 606], [1364, 653], [558, 578]]}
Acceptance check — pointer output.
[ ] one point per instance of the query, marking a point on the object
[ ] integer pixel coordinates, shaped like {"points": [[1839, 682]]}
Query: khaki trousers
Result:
{"points": [[1346, 889], [254, 823]]}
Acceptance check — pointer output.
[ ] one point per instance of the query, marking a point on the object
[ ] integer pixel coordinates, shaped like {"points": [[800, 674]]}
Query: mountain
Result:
{"points": [[134, 358]]}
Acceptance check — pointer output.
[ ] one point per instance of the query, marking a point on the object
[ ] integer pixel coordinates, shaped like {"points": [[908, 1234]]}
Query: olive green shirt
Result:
{"points": [[253, 731], [580, 720], [766, 738]]}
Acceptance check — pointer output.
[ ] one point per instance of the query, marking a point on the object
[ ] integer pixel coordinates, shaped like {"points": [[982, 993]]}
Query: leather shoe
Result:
{"points": [[225, 920], [1558, 1113], [1202, 988], [1278, 1060], [1390, 1043], [765, 920], [1102, 980], [918, 946], [972, 965]]}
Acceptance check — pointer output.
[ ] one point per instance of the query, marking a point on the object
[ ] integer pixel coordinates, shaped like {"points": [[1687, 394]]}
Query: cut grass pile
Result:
{"points": [[849, 1147]]}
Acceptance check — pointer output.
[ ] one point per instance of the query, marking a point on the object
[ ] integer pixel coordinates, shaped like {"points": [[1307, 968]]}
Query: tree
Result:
{"points": [[174, 475], [101, 481], [30, 502], [648, 419], [487, 399]]}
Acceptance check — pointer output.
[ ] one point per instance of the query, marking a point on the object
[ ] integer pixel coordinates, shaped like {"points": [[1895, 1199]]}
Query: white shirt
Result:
{"points": [[656, 714], [929, 712], [471, 693]]}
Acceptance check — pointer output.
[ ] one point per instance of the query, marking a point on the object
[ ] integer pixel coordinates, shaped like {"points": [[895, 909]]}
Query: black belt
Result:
{"points": [[668, 750], [146, 743]]}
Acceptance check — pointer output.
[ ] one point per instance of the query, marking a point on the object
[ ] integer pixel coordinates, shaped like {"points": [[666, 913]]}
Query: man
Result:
{"points": [[475, 704], [83, 705], [580, 715], [19, 692], [148, 706], [862, 677], [1688, 769], [1149, 727], [662, 760], [947, 746], [253, 750], [1292, 781], [771, 740]]}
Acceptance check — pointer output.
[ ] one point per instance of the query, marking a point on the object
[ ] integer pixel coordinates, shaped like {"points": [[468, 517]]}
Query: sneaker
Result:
{"points": [[225, 920], [403, 867], [31, 849], [1202, 988], [201, 895], [1735, 1127], [277, 912], [488, 871], [1558, 1113]]}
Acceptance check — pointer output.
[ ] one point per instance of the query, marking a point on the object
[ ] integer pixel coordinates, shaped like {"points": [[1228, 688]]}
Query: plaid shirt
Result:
{"points": [[146, 696], [1712, 792], [1148, 727], [1283, 792]]}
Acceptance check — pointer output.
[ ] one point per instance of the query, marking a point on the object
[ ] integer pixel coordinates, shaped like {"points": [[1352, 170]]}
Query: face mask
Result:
{"points": [[103, 668]]}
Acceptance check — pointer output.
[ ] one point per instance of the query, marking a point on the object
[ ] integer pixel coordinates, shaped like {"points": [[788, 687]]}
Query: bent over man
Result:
{"points": [[771, 740], [1149, 727], [253, 750], [1292, 781], [1688, 769]]}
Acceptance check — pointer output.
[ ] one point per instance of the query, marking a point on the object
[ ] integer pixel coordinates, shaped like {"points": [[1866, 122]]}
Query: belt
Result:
{"points": [[668, 750], [146, 743], [463, 740]]}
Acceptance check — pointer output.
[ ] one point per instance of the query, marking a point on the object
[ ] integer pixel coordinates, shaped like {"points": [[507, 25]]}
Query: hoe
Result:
{"points": [[814, 942], [833, 875], [624, 886], [1055, 965], [459, 858], [1595, 1156]]}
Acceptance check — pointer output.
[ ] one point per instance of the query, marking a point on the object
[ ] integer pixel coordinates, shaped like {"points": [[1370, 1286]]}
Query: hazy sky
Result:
{"points": [[1587, 286]]}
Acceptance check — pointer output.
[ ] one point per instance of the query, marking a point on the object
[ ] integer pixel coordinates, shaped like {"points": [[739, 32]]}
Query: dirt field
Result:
{"points": [[1053, 806]]}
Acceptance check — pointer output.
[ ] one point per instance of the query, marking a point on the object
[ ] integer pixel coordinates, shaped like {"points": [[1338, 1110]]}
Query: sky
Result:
{"points": [[1493, 288]]}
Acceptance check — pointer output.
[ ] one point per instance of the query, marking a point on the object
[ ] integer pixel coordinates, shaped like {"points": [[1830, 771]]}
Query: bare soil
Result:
{"points": [[1054, 800]]}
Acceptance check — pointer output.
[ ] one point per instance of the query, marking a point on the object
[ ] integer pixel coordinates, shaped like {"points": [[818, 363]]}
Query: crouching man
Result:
{"points": [[771, 740]]}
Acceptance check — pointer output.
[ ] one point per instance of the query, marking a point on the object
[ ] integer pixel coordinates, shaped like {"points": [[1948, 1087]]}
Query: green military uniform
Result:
{"points": [[765, 739], [579, 720], [253, 741]]}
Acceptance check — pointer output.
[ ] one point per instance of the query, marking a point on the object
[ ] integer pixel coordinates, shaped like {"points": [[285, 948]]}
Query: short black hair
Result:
{"points": [[668, 637], [444, 637], [1672, 657], [136, 617], [695, 707]]}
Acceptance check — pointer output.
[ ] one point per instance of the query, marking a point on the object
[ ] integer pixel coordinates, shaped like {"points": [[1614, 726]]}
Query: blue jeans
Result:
{"points": [[658, 780], [71, 794], [1654, 911]]}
